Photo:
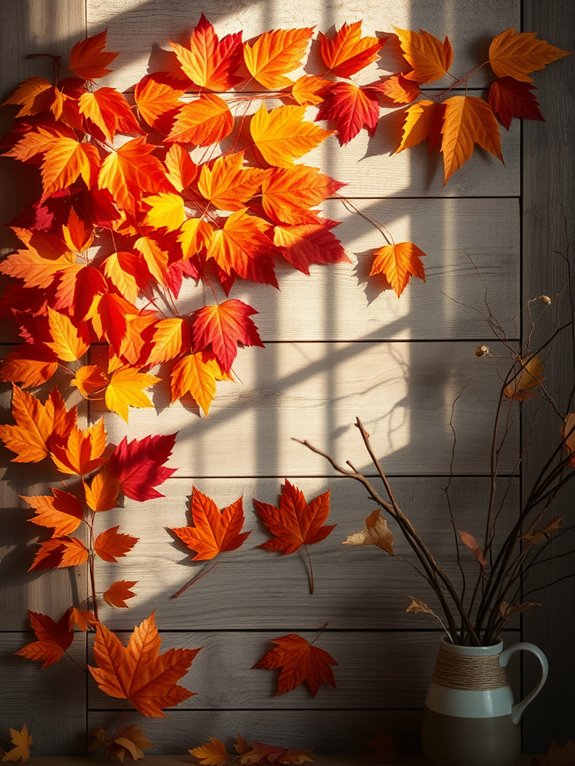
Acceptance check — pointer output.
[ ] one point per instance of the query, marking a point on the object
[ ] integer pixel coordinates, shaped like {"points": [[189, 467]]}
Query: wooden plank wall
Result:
{"points": [[335, 350]]}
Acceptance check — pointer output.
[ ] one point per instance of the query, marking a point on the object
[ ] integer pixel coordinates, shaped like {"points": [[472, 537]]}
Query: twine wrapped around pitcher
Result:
{"points": [[464, 672]]}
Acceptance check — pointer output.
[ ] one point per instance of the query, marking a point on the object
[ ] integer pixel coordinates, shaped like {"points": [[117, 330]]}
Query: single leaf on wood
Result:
{"points": [[429, 58], [22, 741], [125, 390], [295, 522], [204, 121], [207, 61], [111, 545], [119, 592], [283, 135], [213, 531], [138, 672], [274, 54], [60, 552], [222, 327], [467, 121], [517, 54], [511, 98], [60, 511], [212, 753], [376, 532], [398, 263], [138, 465], [89, 60], [348, 52], [299, 662], [526, 378], [52, 638], [350, 108]]}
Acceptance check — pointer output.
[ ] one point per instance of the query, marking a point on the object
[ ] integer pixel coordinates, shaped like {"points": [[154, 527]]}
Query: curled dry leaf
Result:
{"points": [[127, 741], [212, 753], [416, 606], [376, 532], [471, 542], [528, 374], [22, 740], [542, 534], [507, 610]]}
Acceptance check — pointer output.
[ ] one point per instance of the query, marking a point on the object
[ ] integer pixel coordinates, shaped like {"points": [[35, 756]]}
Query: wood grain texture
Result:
{"points": [[465, 265], [51, 701], [402, 392], [549, 236], [355, 587]]}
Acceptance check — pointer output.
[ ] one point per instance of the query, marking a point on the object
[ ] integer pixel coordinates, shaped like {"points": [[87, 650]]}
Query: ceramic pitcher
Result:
{"points": [[470, 716]]}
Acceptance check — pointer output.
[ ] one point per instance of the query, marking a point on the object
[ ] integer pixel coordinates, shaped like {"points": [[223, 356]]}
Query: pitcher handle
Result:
{"points": [[523, 646]]}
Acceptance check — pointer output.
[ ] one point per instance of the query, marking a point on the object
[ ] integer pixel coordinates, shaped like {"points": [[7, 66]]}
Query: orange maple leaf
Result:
{"points": [[399, 89], [65, 160], [428, 57], [22, 740], [157, 96], [138, 672], [195, 374], [53, 638], [170, 338], [61, 511], [398, 263], [60, 552], [517, 54], [283, 135], [89, 60], [212, 753], [29, 365], [119, 592], [208, 61], [275, 53], [227, 184], [213, 531], [34, 95], [89, 379], [348, 51], [111, 545], [423, 122], [289, 193], [182, 170], [467, 121], [222, 327], [166, 211], [299, 662], [241, 246], [34, 426], [102, 492], [202, 122], [83, 619], [79, 451], [69, 342], [308, 89]]}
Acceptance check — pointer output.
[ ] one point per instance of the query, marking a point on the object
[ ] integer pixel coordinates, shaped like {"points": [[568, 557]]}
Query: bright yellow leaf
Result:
{"points": [[282, 135], [125, 389]]}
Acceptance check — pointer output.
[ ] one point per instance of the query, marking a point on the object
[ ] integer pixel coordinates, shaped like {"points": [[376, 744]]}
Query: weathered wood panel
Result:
{"points": [[51, 701], [357, 588], [549, 236], [403, 393], [375, 670]]}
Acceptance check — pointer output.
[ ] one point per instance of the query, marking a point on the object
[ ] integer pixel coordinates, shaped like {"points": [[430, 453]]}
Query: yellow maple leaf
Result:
{"points": [[125, 389], [196, 374], [69, 342], [212, 753], [429, 58], [21, 750], [283, 135], [166, 211], [517, 54], [275, 53], [467, 121]]}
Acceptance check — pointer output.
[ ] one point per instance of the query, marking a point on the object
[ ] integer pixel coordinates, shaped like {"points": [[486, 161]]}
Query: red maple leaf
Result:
{"points": [[299, 662], [222, 327], [511, 98], [138, 465], [350, 108], [304, 244], [53, 638]]}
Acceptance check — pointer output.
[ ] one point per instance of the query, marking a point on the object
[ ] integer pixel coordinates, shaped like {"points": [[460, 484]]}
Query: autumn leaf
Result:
{"points": [[52, 639], [274, 54], [102, 492], [282, 134], [22, 740], [539, 535], [308, 89], [157, 96], [119, 592], [126, 741], [467, 120], [222, 327], [138, 465], [470, 542], [212, 753], [423, 122], [289, 193], [299, 662], [376, 532], [109, 111], [195, 374], [204, 121], [227, 184], [517, 54], [34, 426], [207, 61], [348, 52], [170, 338], [125, 389], [526, 378], [510, 98], [89, 60], [83, 619], [304, 244], [429, 58], [213, 531], [60, 511], [59, 553], [34, 95], [399, 89], [65, 161], [111, 545], [295, 522], [350, 108], [138, 672], [182, 170], [398, 263], [28, 365], [417, 606], [166, 210], [79, 451], [69, 342]]}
